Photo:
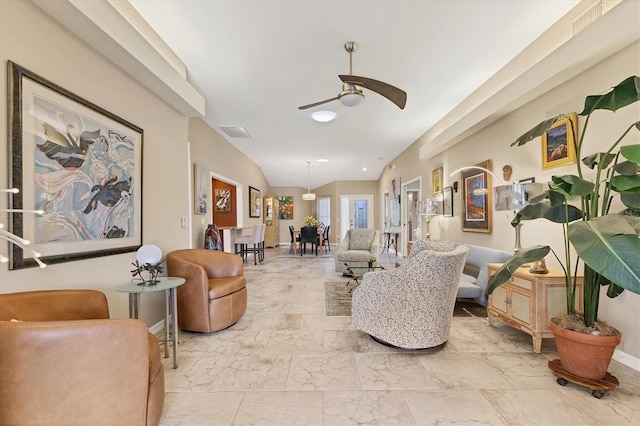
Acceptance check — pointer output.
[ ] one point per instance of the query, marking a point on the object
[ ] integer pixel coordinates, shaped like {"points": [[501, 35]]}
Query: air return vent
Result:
{"points": [[588, 18], [235, 131]]}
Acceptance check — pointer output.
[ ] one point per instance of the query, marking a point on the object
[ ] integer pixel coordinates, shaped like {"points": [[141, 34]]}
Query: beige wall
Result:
{"points": [[35, 41], [492, 143], [227, 163]]}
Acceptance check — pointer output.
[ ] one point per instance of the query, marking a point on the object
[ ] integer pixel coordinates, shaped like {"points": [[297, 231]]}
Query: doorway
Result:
{"points": [[410, 219], [356, 211]]}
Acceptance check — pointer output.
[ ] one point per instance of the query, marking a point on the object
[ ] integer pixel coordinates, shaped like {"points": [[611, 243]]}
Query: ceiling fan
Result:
{"points": [[352, 85]]}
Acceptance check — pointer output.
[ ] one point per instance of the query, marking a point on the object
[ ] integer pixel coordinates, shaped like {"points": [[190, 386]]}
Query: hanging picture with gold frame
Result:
{"points": [[558, 143]]}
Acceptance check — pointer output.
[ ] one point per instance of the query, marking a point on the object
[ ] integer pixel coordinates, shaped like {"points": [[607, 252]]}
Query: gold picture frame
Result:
{"points": [[436, 181], [558, 143]]}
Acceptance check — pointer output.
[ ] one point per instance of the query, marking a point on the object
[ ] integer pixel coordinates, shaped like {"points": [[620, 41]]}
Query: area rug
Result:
{"points": [[337, 299], [305, 256], [338, 302]]}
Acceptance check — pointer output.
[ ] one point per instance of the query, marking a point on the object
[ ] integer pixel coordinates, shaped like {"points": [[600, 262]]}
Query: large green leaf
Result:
{"points": [[631, 152], [571, 185], [622, 183], [602, 158], [627, 168], [502, 275], [610, 246], [538, 130], [625, 93], [631, 200]]}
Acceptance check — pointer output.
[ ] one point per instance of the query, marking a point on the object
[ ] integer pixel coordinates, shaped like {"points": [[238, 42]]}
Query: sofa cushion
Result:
{"points": [[353, 256], [361, 239], [219, 287]]}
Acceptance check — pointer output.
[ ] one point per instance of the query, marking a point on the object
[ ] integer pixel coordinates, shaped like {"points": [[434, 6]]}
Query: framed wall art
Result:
{"points": [[78, 163], [285, 207], [223, 200], [476, 198], [201, 189], [436, 181], [447, 202], [558, 143], [255, 201]]}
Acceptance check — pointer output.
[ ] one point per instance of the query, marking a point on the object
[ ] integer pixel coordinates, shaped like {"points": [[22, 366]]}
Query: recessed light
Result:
{"points": [[323, 116], [364, 169], [322, 160]]}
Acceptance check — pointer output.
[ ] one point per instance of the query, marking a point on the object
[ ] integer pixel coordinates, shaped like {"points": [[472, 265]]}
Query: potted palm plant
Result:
{"points": [[606, 242]]}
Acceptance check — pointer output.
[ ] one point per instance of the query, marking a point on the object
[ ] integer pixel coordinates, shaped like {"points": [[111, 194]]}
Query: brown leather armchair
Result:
{"points": [[65, 362], [214, 295]]}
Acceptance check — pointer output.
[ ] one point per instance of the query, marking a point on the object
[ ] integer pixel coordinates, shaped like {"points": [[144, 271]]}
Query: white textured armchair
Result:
{"points": [[358, 245], [411, 306]]}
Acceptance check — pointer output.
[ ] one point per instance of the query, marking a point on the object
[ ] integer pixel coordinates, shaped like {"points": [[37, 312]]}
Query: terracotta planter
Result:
{"points": [[584, 355]]}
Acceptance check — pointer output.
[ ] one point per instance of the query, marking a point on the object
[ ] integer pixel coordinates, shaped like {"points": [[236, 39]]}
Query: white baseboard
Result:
{"points": [[158, 328], [626, 359]]}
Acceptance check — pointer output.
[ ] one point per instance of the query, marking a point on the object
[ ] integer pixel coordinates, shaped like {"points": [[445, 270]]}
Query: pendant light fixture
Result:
{"points": [[309, 196]]}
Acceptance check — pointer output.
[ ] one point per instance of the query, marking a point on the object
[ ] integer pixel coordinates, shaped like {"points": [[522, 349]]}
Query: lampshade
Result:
{"points": [[515, 196], [149, 253], [309, 196], [351, 99]]}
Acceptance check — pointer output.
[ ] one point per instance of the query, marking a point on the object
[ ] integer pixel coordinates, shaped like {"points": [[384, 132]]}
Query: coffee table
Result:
{"points": [[356, 270]]}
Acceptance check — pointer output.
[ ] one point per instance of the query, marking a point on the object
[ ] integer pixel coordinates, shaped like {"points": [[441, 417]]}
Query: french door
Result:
{"points": [[356, 211]]}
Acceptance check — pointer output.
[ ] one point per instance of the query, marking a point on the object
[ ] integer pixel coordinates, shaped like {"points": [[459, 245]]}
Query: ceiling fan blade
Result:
{"points": [[395, 95], [318, 103]]}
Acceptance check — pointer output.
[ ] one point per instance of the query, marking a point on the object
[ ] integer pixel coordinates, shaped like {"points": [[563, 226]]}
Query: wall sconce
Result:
{"points": [[455, 186]]}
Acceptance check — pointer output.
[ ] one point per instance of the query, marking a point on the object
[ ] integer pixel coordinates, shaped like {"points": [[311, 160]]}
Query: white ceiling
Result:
{"points": [[255, 62]]}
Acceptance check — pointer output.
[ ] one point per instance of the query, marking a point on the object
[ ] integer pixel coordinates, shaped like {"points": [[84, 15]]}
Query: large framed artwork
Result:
{"points": [[476, 198], [285, 207], [254, 202], [558, 143], [201, 186], [79, 164]]}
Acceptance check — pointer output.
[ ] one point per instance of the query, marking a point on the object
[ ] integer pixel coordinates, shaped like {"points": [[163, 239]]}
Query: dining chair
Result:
{"points": [[325, 237], [309, 234], [293, 242]]}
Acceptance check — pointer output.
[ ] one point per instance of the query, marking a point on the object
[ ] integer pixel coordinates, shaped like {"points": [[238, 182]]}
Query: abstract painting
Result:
{"points": [[77, 163]]}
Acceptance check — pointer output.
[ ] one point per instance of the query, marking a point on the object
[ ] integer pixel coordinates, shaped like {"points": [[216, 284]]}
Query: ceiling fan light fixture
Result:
{"points": [[351, 95], [323, 116]]}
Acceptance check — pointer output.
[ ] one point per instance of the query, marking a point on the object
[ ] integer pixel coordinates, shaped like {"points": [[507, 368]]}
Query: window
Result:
{"points": [[324, 210]]}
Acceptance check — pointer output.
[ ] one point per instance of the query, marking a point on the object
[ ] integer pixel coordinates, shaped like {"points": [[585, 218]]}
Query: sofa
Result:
{"points": [[358, 245], [214, 295], [475, 276], [411, 306], [63, 361]]}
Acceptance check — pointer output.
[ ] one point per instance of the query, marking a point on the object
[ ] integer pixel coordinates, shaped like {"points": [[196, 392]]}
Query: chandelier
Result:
{"points": [[309, 196]]}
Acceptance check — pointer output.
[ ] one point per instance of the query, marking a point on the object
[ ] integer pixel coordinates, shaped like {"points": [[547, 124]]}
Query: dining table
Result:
{"points": [[296, 237]]}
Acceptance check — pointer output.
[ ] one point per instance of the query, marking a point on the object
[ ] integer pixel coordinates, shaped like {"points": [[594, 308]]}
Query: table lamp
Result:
{"points": [[514, 197], [428, 209], [149, 259]]}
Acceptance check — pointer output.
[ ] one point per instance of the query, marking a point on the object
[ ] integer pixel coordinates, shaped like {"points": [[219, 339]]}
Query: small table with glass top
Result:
{"points": [[356, 270], [168, 285]]}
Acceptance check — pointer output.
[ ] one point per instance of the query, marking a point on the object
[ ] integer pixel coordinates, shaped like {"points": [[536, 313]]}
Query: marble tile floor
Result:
{"points": [[286, 363]]}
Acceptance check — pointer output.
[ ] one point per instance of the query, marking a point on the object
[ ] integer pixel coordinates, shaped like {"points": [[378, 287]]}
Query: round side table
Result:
{"points": [[168, 285]]}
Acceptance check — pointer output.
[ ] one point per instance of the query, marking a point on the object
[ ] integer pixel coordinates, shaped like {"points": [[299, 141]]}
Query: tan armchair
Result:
{"points": [[65, 362], [214, 295]]}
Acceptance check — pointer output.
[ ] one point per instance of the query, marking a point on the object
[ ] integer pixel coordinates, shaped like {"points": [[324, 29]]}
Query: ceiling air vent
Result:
{"points": [[588, 18], [235, 131]]}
